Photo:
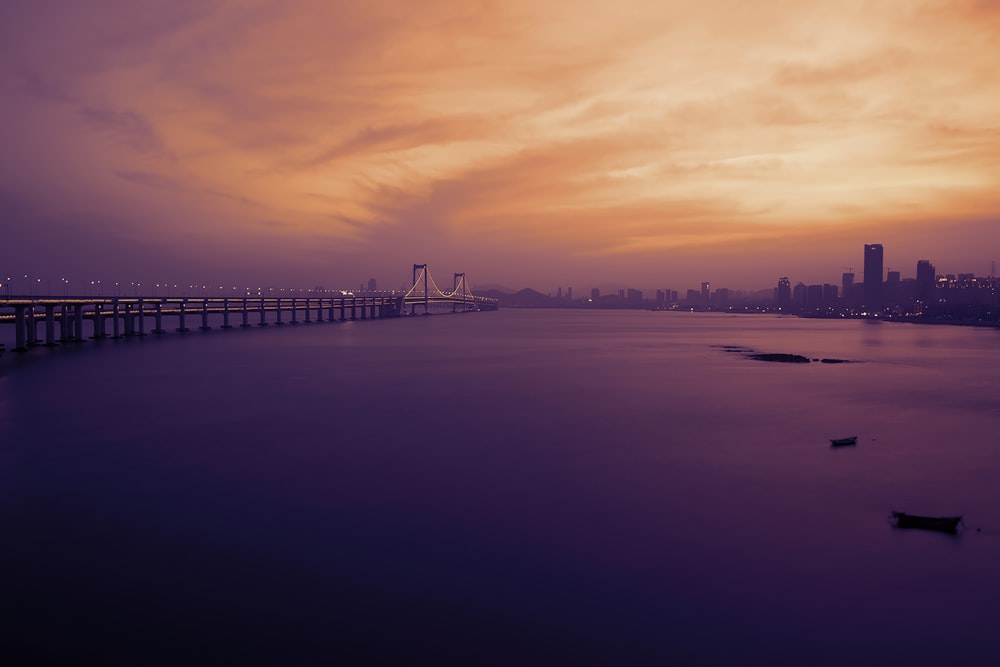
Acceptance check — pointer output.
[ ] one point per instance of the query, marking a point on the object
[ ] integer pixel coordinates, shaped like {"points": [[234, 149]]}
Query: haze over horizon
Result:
{"points": [[654, 144]]}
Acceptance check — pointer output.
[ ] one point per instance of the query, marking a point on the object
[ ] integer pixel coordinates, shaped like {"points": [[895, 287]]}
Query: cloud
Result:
{"points": [[508, 131]]}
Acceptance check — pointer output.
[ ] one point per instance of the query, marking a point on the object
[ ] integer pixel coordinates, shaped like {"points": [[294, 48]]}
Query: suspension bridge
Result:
{"points": [[50, 320]]}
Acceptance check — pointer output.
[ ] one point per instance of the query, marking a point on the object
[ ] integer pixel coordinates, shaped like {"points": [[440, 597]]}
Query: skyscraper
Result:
{"points": [[784, 292], [925, 280], [873, 277], [846, 287]]}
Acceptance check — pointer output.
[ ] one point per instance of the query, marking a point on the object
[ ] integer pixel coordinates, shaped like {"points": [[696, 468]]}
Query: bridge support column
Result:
{"points": [[319, 310], [159, 319], [142, 318], [295, 310], [307, 320], [65, 324], [115, 324], [225, 314], [246, 314], [183, 314], [343, 306], [204, 316], [263, 321], [50, 325], [129, 321], [277, 312], [20, 328], [32, 326], [99, 322], [354, 307], [78, 327], [331, 315], [372, 310]]}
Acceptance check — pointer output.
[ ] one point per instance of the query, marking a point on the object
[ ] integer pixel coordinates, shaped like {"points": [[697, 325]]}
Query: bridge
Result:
{"points": [[81, 318]]}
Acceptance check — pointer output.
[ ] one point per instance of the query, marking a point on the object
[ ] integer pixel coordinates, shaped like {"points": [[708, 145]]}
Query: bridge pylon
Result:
{"points": [[422, 268]]}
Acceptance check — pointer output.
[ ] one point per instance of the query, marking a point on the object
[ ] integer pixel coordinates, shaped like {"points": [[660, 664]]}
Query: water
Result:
{"points": [[519, 487]]}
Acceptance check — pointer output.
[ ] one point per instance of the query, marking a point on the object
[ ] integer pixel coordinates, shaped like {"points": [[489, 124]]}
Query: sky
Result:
{"points": [[629, 143]]}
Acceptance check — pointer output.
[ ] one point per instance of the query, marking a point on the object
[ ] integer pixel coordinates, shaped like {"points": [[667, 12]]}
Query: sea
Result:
{"points": [[520, 487]]}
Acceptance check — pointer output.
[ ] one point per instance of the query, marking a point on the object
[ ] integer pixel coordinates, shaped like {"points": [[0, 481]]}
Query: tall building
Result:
{"points": [[873, 277], [893, 289], [371, 284], [706, 292], [784, 295], [846, 283], [925, 280]]}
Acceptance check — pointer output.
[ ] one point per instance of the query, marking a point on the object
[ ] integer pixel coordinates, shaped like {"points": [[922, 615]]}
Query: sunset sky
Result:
{"points": [[543, 144]]}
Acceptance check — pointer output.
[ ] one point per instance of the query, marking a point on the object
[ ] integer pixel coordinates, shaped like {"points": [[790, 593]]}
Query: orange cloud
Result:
{"points": [[573, 131]]}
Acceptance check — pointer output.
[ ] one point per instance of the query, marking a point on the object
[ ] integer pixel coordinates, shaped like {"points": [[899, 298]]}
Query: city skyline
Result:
{"points": [[649, 144]]}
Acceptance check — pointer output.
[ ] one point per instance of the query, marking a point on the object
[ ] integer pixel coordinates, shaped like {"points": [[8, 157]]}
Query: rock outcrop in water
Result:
{"points": [[782, 357], [779, 357]]}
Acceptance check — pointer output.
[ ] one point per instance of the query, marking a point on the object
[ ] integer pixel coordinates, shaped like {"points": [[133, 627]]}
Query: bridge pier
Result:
{"points": [[263, 321], [65, 324], [99, 322], [32, 326], [78, 318], [354, 307], [204, 316], [20, 328], [129, 321], [245, 314], [183, 313], [331, 315], [343, 309], [225, 314], [307, 320], [50, 325], [142, 318], [115, 314], [319, 310], [159, 318], [295, 310], [277, 313]]}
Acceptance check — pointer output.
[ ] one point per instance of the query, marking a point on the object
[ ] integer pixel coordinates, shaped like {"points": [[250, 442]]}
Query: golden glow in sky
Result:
{"points": [[653, 142]]}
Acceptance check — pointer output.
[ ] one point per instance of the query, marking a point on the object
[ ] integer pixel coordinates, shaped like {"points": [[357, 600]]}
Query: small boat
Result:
{"points": [[945, 524], [840, 442]]}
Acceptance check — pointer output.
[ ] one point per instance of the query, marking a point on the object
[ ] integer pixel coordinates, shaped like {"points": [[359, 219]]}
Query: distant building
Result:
{"points": [[783, 297], [634, 295], [891, 296], [873, 277], [569, 293], [706, 293], [799, 294], [595, 293], [371, 284], [846, 284], [814, 296]]}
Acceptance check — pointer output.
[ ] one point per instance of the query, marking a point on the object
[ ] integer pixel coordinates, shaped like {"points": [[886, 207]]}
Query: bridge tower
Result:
{"points": [[460, 279], [423, 268]]}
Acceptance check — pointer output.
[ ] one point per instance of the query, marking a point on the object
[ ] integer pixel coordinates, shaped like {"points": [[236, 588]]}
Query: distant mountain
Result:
{"points": [[491, 287], [526, 298]]}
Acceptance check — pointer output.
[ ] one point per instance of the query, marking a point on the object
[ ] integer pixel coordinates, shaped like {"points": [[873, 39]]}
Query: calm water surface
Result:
{"points": [[509, 488]]}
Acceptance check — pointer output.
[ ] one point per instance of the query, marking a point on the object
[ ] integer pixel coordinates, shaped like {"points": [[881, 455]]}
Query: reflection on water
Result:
{"points": [[519, 487]]}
